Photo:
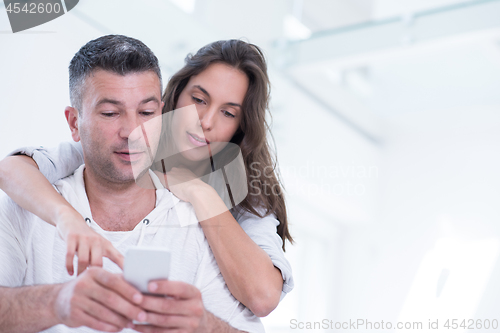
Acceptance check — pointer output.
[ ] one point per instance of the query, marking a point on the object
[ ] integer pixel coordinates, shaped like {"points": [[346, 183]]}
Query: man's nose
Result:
{"points": [[130, 128]]}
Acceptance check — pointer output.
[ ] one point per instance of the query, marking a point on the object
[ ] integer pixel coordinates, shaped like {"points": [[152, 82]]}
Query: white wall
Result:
{"points": [[441, 184]]}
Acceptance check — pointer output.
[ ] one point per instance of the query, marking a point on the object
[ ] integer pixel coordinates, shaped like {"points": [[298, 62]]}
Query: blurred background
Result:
{"points": [[386, 123]]}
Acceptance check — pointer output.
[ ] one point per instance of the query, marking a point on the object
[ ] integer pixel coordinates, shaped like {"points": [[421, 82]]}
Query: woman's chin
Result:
{"points": [[196, 155]]}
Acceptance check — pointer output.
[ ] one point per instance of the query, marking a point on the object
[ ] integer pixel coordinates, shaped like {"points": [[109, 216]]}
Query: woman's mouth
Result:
{"points": [[196, 140]]}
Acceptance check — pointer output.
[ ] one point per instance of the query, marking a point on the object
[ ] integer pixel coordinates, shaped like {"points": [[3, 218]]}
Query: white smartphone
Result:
{"points": [[143, 264]]}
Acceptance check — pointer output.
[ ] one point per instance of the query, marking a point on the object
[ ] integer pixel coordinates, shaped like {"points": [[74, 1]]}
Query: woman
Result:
{"points": [[228, 83]]}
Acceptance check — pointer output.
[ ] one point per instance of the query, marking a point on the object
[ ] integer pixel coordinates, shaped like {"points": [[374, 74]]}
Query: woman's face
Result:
{"points": [[218, 93]]}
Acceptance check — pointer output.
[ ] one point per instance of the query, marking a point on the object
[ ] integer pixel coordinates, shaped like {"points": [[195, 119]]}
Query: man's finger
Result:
{"points": [[83, 256], [117, 303], [177, 289], [96, 254], [70, 253], [167, 321], [113, 254], [118, 284], [155, 329], [164, 305], [103, 314], [96, 324]]}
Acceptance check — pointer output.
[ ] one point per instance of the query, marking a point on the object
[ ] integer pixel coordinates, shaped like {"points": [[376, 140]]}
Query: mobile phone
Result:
{"points": [[143, 264]]}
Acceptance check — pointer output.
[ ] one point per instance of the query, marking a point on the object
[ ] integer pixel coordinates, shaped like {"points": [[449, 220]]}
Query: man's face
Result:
{"points": [[112, 107]]}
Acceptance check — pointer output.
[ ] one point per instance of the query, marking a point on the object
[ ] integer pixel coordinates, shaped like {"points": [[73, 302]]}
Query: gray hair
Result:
{"points": [[115, 53]]}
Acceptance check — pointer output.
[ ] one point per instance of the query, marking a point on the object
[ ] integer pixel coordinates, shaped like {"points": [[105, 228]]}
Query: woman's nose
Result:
{"points": [[207, 119]]}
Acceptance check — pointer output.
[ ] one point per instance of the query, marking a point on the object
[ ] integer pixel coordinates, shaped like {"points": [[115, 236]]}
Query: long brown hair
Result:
{"points": [[264, 186]]}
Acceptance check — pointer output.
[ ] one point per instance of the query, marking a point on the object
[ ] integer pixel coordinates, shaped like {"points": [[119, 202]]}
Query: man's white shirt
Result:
{"points": [[32, 252]]}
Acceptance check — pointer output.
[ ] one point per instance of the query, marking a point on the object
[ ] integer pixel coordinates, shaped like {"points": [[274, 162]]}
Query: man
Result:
{"points": [[115, 86]]}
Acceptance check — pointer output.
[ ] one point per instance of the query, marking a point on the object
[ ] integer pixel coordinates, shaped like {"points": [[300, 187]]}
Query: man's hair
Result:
{"points": [[115, 53]]}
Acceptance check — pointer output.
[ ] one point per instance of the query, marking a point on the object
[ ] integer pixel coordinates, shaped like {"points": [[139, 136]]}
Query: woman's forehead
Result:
{"points": [[221, 79]]}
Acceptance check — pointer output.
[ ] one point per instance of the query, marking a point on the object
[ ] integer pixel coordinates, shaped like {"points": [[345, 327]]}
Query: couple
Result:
{"points": [[115, 87]]}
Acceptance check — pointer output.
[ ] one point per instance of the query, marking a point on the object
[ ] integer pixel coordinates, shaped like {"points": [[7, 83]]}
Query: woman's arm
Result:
{"points": [[23, 182], [247, 269], [249, 272]]}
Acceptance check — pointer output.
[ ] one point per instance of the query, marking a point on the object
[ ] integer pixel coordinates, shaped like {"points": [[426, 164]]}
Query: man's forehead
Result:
{"points": [[103, 78], [107, 84]]}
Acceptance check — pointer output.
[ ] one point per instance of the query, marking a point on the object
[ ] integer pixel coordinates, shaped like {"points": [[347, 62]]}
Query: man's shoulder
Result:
{"points": [[72, 187], [71, 181]]}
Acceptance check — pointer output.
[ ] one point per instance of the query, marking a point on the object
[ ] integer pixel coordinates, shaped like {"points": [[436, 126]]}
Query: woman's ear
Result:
{"points": [[72, 118]]}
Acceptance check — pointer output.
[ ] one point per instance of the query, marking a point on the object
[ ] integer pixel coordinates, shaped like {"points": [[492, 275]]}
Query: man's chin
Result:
{"points": [[129, 172]]}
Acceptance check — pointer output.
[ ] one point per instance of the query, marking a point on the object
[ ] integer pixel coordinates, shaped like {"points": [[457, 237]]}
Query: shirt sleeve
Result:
{"points": [[55, 163], [12, 248], [218, 300], [263, 231]]}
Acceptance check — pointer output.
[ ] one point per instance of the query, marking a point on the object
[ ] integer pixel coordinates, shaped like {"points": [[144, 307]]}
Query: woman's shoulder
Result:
{"points": [[262, 217]]}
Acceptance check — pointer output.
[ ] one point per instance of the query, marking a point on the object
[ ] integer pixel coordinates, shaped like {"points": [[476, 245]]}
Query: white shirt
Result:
{"points": [[31, 251], [61, 161]]}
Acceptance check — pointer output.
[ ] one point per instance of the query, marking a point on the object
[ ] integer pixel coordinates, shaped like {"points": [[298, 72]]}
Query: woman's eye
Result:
{"points": [[197, 100], [109, 114], [228, 114], [147, 113]]}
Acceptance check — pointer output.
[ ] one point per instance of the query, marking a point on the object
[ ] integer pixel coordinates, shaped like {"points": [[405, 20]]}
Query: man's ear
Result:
{"points": [[72, 119]]}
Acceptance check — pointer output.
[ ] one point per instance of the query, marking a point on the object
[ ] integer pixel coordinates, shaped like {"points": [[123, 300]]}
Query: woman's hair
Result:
{"points": [[264, 187]]}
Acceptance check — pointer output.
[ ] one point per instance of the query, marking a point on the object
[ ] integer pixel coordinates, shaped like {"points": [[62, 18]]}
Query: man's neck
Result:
{"points": [[117, 207]]}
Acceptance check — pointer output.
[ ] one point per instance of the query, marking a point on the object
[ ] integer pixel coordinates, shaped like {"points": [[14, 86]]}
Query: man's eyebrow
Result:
{"points": [[108, 100], [115, 102], [150, 99], [206, 93]]}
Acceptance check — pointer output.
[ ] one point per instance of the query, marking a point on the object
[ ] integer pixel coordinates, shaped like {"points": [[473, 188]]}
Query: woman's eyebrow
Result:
{"points": [[206, 93], [234, 104], [202, 90]]}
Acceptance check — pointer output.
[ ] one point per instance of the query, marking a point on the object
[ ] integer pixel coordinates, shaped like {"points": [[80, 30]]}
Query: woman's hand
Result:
{"points": [[81, 239], [184, 184]]}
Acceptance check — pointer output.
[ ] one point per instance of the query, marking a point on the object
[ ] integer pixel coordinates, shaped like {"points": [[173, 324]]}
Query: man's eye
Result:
{"points": [[109, 114], [228, 114], [147, 113]]}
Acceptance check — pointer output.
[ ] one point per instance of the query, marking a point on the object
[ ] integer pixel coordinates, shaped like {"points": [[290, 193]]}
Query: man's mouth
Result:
{"points": [[130, 155]]}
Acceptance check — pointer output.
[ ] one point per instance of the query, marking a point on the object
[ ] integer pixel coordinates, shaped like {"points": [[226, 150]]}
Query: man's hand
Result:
{"points": [[81, 239], [100, 300], [182, 310]]}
